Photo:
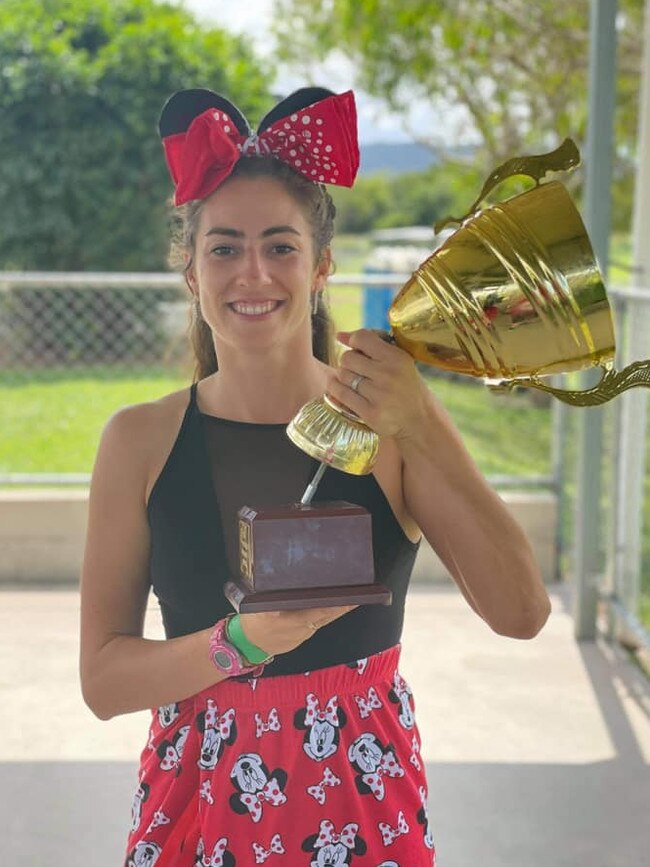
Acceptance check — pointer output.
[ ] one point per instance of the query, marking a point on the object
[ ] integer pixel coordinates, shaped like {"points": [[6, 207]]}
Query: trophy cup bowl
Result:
{"points": [[514, 293]]}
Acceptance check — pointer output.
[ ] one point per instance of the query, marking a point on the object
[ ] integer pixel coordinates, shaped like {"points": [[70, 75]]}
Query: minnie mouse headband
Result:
{"points": [[314, 131]]}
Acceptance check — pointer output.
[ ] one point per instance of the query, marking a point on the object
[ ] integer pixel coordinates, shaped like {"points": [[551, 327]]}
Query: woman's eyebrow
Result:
{"points": [[236, 233], [220, 230], [277, 230]]}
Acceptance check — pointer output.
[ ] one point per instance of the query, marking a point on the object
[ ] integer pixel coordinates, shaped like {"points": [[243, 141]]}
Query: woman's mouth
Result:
{"points": [[247, 308]]}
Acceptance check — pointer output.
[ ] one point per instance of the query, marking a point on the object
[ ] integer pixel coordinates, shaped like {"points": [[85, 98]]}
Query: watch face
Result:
{"points": [[222, 660]]}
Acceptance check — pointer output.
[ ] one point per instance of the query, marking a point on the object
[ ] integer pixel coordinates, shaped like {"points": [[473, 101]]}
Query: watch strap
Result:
{"points": [[251, 652], [226, 656]]}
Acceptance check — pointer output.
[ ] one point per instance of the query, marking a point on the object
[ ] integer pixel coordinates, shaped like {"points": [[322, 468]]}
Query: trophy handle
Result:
{"points": [[613, 382], [564, 158]]}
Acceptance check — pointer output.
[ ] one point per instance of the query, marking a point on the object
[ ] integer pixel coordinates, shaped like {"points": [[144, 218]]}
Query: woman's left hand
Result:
{"points": [[390, 393]]}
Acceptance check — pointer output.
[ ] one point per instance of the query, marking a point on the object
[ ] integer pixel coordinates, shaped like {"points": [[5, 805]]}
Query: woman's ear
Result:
{"points": [[190, 277], [323, 269]]}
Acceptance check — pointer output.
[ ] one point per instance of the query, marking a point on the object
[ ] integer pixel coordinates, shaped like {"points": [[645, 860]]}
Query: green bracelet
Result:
{"points": [[235, 634]]}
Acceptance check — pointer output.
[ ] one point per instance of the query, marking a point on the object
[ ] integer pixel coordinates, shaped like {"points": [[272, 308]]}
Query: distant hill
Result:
{"points": [[397, 158]]}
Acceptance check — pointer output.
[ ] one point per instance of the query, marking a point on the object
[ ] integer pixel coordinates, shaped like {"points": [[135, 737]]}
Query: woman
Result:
{"points": [[288, 735]]}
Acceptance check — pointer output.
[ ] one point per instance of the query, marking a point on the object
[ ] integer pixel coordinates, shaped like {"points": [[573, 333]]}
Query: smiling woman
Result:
{"points": [[290, 732]]}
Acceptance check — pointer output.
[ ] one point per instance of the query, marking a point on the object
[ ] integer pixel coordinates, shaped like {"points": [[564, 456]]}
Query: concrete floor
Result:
{"points": [[537, 752]]}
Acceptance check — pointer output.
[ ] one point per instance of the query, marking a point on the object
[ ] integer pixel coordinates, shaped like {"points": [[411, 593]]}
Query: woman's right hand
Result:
{"points": [[280, 631]]}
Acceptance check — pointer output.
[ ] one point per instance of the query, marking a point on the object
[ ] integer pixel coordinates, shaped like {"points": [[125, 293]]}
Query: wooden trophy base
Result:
{"points": [[247, 601], [297, 556]]}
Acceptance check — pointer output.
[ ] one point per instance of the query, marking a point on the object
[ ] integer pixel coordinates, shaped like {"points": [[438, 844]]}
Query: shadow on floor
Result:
{"points": [[77, 814]]}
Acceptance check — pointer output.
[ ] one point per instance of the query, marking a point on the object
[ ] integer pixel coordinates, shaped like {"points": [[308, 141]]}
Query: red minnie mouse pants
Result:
{"points": [[321, 769]]}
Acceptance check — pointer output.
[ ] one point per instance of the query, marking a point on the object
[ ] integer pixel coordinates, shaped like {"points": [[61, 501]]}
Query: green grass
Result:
{"points": [[52, 423], [52, 420]]}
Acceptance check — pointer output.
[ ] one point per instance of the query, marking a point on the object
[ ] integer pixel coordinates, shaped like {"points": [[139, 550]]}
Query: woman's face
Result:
{"points": [[254, 267]]}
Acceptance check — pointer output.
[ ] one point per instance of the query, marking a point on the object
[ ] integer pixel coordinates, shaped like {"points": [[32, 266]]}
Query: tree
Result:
{"points": [[517, 70], [381, 201], [82, 176], [358, 209]]}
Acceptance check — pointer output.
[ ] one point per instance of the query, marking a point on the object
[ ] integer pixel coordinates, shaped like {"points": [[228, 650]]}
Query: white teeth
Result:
{"points": [[254, 309]]}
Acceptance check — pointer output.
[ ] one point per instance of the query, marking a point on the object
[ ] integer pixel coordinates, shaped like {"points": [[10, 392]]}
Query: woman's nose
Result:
{"points": [[253, 268]]}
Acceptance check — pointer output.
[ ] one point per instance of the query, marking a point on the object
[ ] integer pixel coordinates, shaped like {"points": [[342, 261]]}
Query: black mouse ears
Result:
{"points": [[296, 101], [185, 105], [204, 135]]}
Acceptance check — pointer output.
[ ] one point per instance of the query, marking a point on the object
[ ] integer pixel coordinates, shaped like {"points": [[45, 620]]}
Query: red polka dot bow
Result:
{"points": [[318, 791], [389, 767], [389, 834], [222, 723], [319, 141], [328, 835], [261, 854], [367, 704], [271, 793], [272, 725], [314, 712], [216, 859]]}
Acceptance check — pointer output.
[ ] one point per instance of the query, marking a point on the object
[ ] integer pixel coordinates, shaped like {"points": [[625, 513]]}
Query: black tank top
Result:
{"points": [[215, 467]]}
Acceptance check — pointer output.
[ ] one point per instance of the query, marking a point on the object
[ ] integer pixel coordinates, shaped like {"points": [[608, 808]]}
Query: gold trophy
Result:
{"points": [[515, 294]]}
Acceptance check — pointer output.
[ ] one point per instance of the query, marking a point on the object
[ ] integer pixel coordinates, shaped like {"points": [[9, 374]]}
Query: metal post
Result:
{"points": [[602, 87], [621, 313], [633, 405], [559, 421]]}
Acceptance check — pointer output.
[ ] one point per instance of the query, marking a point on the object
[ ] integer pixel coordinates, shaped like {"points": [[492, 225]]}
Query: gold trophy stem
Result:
{"points": [[612, 384]]}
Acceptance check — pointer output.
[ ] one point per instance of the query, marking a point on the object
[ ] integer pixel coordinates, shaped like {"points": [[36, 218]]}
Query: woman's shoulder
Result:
{"points": [[149, 417], [148, 431]]}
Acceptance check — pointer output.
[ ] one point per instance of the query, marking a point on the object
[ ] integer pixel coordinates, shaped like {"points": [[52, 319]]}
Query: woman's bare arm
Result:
{"points": [[471, 529], [120, 670], [463, 519]]}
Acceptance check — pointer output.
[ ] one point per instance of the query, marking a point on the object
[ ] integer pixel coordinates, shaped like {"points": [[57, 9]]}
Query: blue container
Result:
{"points": [[376, 301]]}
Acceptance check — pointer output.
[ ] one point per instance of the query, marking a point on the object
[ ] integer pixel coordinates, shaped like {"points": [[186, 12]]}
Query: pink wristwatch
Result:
{"points": [[226, 657]]}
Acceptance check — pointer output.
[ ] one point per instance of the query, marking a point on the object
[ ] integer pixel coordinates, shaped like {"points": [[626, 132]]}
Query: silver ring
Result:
{"points": [[356, 382]]}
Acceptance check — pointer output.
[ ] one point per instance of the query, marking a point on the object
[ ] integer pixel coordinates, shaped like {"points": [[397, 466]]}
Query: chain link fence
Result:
{"points": [[109, 321], [90, 321]]}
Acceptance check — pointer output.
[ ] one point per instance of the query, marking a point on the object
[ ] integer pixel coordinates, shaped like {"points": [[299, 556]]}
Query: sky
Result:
{"points": [[253, 17]]}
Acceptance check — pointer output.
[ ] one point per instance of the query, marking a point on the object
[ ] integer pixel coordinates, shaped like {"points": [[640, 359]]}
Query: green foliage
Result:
{"points": [[358, 209], [410, 199], [421, 198], [83, 176], [515, 71]]}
